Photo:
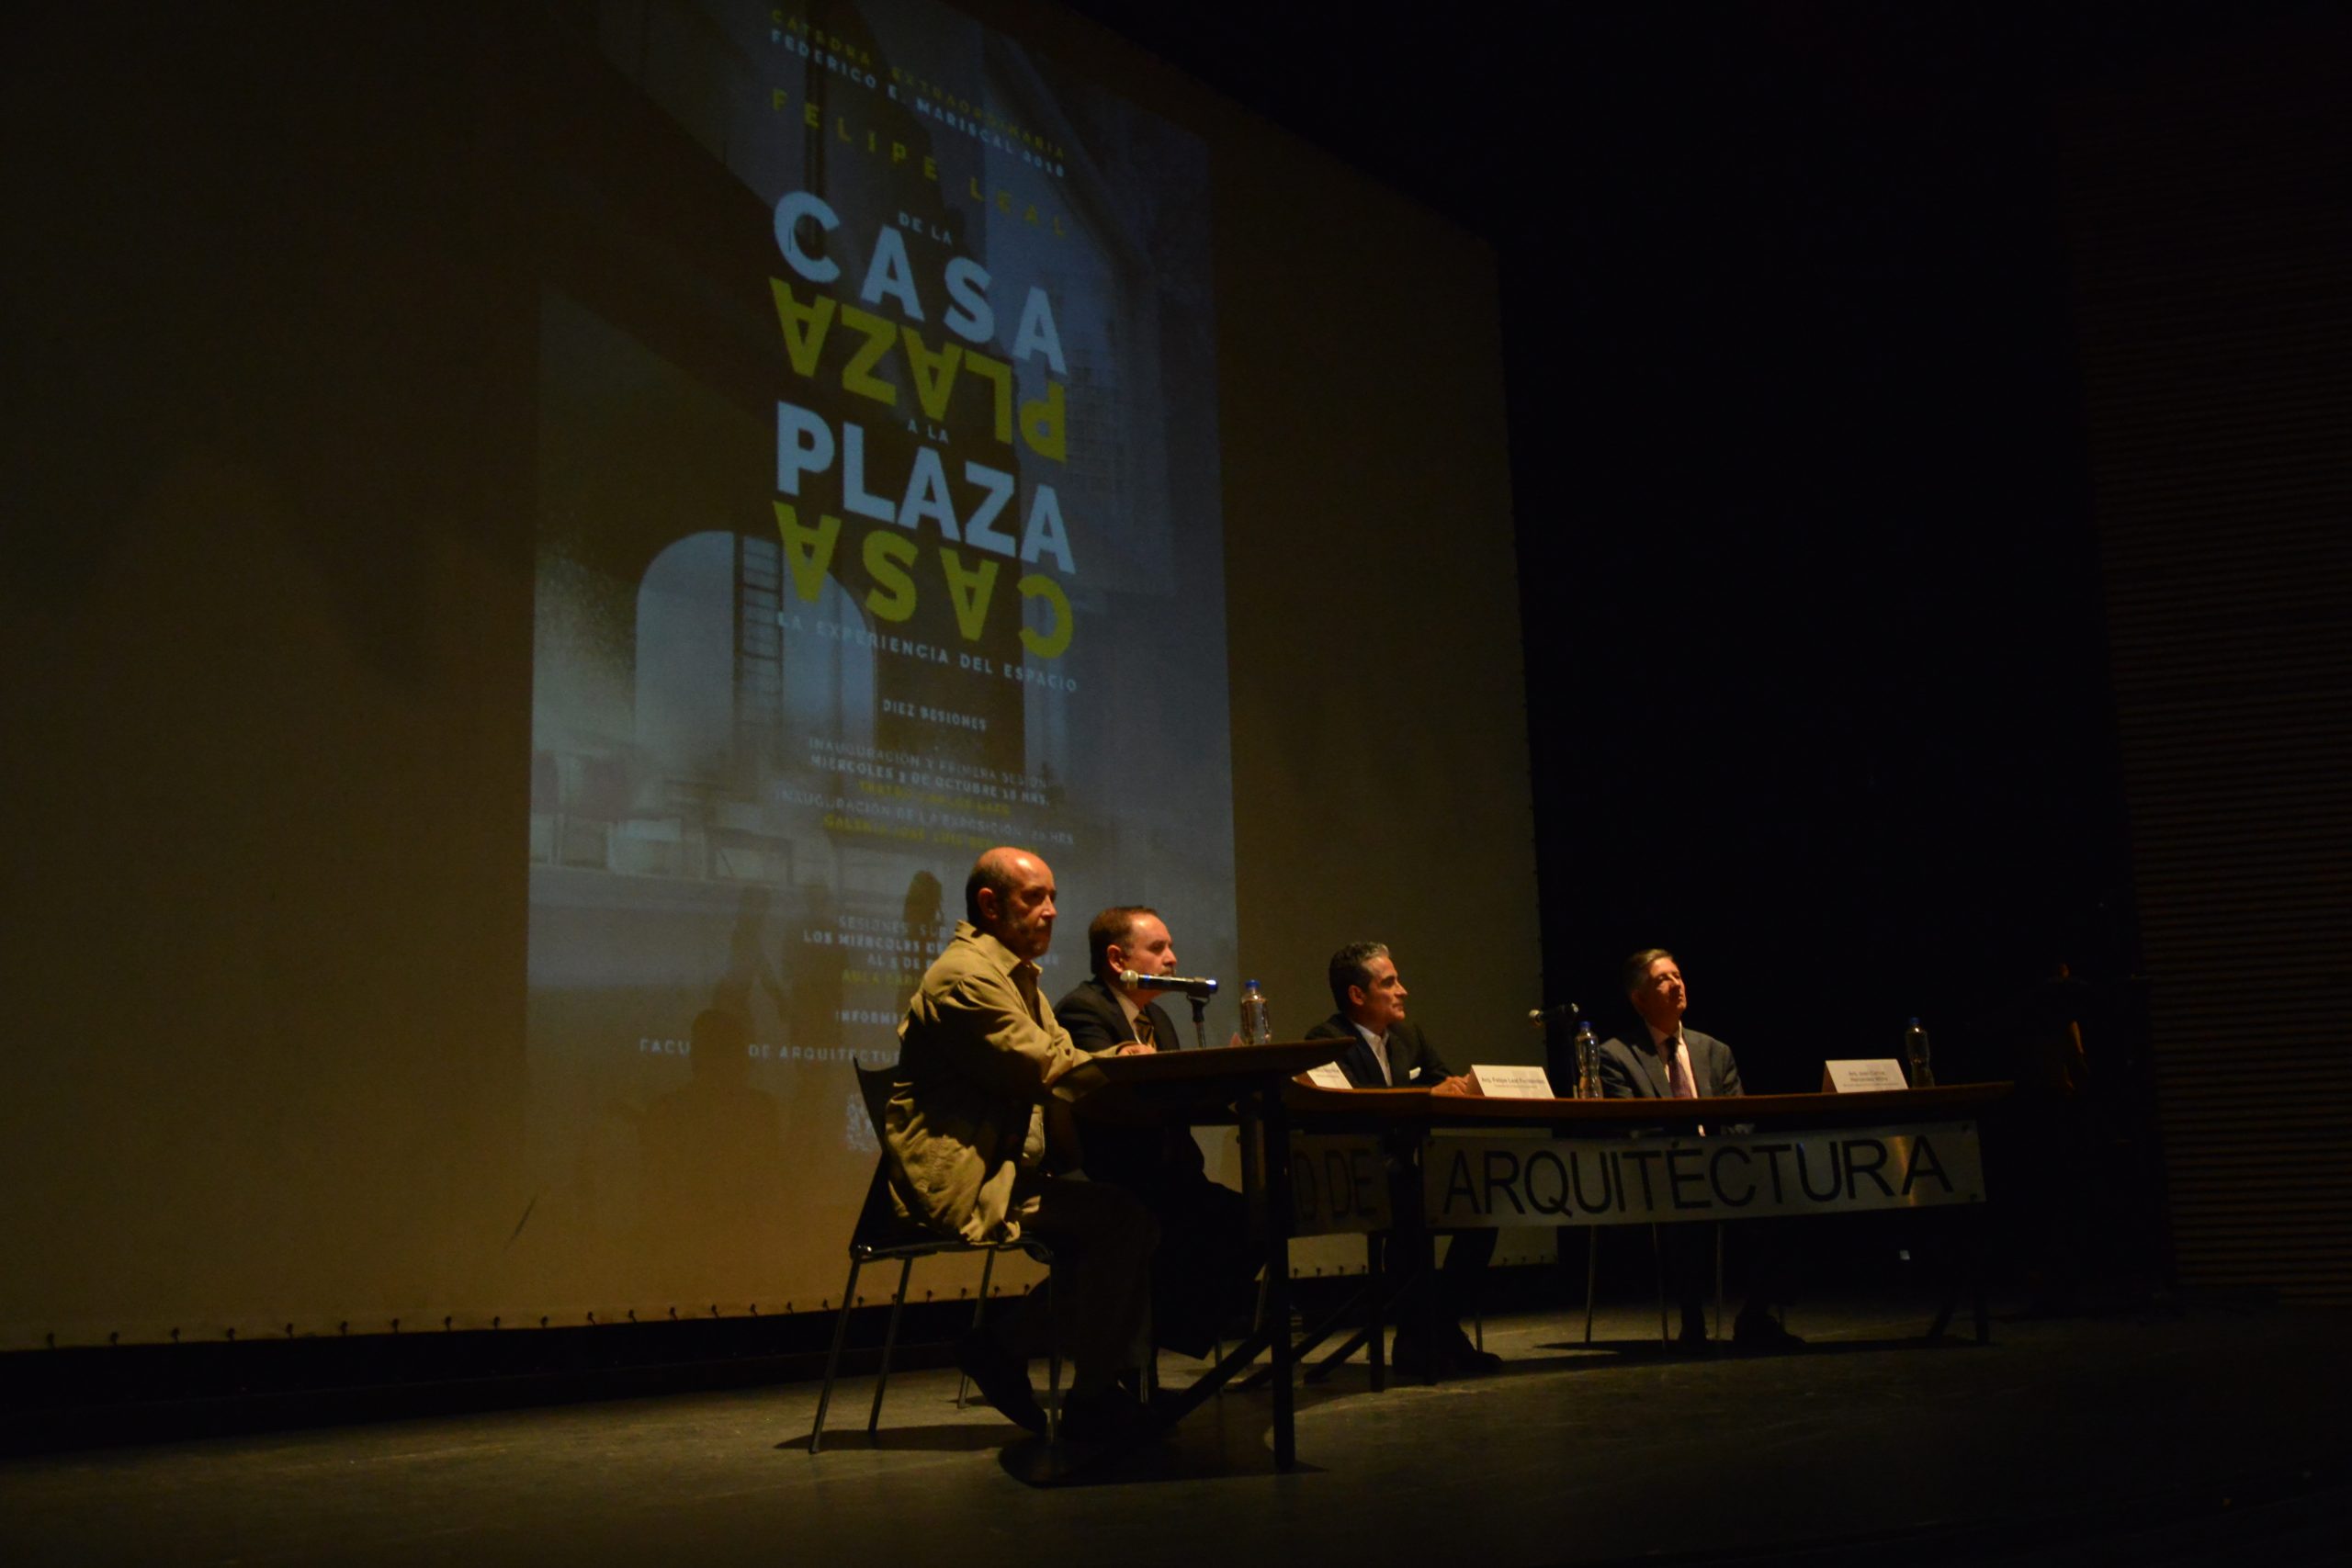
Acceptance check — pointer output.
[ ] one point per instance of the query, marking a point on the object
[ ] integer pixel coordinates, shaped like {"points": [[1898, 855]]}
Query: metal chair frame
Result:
{"points": [[879, 1236], [1593, 1275]]}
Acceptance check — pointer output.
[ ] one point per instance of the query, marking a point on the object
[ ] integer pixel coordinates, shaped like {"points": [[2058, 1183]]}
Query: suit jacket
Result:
{"points": [[977, 1053], [1633, 1071], [1145, 1161], [1413, 1061]]}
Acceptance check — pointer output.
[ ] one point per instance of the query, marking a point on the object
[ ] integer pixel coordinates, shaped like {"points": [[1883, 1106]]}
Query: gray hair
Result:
{"points": [[1637, 969]]}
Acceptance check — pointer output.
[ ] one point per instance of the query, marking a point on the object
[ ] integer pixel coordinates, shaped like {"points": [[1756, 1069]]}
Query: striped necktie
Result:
{"points": [[1678, 1070]]}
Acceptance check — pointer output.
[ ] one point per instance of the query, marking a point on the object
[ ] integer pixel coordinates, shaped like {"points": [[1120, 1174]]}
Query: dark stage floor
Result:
{"points": [[2153, 1437]]}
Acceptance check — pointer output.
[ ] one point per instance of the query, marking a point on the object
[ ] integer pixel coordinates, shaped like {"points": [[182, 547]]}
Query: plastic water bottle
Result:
{"points": [[1257, 1023], [1588, 1054], [1915, 1056]]}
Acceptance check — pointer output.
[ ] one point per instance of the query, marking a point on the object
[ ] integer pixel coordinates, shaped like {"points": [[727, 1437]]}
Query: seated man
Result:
{"points": [[1674, 1063], [977, 1054], [1207, 1254], [1390, 1053]]}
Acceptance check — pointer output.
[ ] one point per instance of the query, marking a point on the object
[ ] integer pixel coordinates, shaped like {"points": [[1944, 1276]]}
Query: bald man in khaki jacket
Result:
{"points": [[979, 1053]]}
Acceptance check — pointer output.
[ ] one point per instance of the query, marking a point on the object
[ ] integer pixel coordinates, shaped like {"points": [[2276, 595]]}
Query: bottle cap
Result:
{"points": [[1248, 985], [1915, 1023]]}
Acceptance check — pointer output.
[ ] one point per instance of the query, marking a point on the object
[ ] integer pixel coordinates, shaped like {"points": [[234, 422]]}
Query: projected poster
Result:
{"points": [[877, 524]]}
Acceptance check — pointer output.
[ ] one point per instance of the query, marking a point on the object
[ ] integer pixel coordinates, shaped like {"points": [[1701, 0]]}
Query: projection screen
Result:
{"points": [[547, 536]]}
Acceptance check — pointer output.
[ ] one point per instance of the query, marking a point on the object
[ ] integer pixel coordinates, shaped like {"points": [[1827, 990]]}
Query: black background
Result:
{"points": [[1817, 681]]}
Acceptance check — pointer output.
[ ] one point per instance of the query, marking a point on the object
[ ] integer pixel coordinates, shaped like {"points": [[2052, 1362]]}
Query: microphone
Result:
{"points": [[1565, 1015], [1191, 985]]}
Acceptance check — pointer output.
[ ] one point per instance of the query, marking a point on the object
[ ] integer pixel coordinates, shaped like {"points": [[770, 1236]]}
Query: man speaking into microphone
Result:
{"points": [[1206, 1257]]}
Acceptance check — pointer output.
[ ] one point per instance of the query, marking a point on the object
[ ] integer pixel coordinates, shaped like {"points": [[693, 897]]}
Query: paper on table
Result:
{"points": [[1854, 1077], [1506, 1081]]}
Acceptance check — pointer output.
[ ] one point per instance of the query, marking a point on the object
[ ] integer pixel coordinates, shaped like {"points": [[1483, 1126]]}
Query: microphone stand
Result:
{"points": [[1199, 999]]}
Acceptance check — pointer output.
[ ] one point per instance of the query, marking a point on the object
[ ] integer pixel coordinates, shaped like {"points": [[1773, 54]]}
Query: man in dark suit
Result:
{"points": [[1670, 1062], [1207, 1258], [1391, 1053]]}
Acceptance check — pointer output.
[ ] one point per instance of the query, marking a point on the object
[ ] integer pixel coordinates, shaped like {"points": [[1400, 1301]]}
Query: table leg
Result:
{"points": [[1275, 1119], [1410, 1241]]}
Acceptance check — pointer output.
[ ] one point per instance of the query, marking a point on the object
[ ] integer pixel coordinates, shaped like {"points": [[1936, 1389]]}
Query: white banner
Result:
{"points": [[1490, 1179], [1339, 1186]]}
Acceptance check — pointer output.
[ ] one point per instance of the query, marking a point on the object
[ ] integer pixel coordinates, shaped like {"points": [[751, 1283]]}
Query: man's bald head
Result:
{"points": [[1009, 895], [991, 873]]}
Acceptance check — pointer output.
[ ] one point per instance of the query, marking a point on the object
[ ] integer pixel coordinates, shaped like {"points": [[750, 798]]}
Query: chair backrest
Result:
{"points": [[874, 1083], [879, 1228], [878, 1223]]}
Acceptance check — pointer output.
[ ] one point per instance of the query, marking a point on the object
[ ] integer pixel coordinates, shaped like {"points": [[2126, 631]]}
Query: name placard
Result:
{"points": [[1337, 1184], [1330, 1074], [1508, 1081], [1854, 1077], [1487, 1180]]}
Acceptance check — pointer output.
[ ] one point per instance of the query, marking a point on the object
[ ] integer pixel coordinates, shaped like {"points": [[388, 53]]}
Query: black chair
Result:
{"points": [[881, 1235], [1592, 1276]]}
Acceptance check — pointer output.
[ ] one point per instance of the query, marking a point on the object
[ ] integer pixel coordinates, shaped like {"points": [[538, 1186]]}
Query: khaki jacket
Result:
{"points": [[978, 1053]]}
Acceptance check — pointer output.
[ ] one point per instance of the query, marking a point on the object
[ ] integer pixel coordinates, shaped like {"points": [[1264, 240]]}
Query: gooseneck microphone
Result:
{"points": [[1190, 985]]}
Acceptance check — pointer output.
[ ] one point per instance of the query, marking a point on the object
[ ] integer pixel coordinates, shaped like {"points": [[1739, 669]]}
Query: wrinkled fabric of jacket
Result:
{"points": [[977, 1053]]}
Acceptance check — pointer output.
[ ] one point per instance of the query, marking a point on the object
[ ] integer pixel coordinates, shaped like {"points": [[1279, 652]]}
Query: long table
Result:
{"points": [[1623, 1162], [1256, 1087]]}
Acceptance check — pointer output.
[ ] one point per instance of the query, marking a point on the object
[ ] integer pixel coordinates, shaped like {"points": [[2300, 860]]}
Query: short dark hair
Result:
{"points": [[996, 875], [1114, 924], [1637, 968], [1352, 966]]}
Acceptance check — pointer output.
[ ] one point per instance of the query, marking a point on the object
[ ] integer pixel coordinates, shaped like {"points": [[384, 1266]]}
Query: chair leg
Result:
{"points": [[1053, 1365], [889, 1344], [1148, 1374], [1591, 1275], [1478, 1310], [980, 1316], [834, 1362], [1719, 1280], [1657, 1266]]}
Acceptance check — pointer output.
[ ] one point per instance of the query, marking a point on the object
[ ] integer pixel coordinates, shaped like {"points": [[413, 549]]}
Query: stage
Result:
{"points": [[2212, 1435]]}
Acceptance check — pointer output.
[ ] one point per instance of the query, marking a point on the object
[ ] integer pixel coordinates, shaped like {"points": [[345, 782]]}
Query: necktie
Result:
{"points": [[1143, 1029], [1678, 1071]]}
